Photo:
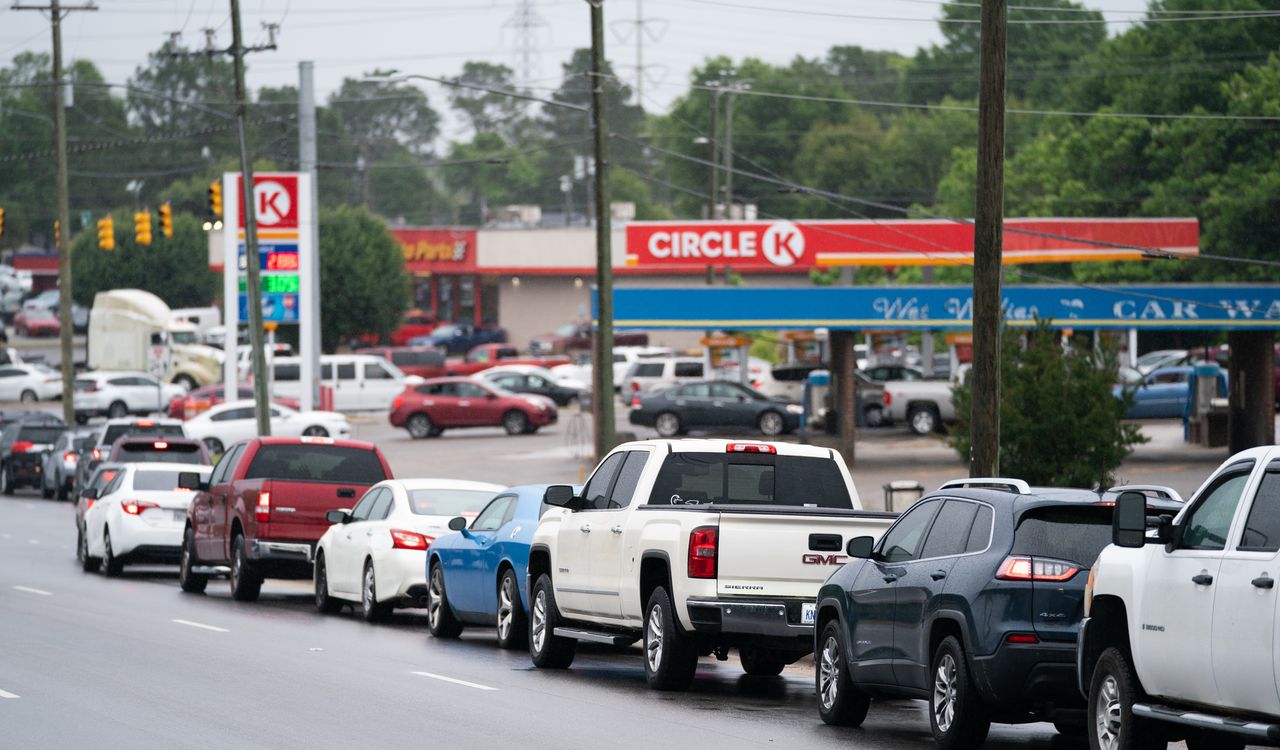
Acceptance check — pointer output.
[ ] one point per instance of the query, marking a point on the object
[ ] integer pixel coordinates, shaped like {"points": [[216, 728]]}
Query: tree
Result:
{"points": [[176, 270], [1060, 424], [489, 112], [363, 285]]}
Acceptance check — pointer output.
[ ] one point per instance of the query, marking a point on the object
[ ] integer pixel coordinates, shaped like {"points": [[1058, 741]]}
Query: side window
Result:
{"points": [[494, 514], [289, 372], [1262, 530], [365, 506], [628, 478], [381, 506], [698, 390], [470, 390], [346, 371], [596, 492], [902, 543], [224, 469], [326, 371], [980, 532], [375, 371], [950, 533], [1208, 524], [688, 369]]}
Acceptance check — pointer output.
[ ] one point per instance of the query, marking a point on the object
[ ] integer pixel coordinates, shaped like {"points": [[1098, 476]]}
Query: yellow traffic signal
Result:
{"points": [[1, 222], [57, 234], [142, 227], [215, 198], [166, 220], [106, 234]]}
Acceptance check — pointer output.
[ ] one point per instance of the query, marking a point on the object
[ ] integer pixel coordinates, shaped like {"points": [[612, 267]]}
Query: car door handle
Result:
{"points": [[938, 575], [1264, 581], [346, 492], [890, 578], [1204, 579], [585, 528], [616, 529]]}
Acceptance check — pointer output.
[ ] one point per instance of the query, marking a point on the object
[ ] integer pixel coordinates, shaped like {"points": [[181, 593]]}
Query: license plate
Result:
{"points": [[808, 613]]}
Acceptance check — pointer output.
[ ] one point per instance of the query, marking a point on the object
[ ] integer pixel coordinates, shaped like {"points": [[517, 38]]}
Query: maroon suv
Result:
{"points": [[428, 409]]}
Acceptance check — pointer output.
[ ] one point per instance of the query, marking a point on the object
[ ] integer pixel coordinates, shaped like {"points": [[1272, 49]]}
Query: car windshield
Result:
{"points": [[750, 478], [1076, 534], [307, 462], [116, 431], [159, 451], [437, 502], [39, 313], [157, 479]]}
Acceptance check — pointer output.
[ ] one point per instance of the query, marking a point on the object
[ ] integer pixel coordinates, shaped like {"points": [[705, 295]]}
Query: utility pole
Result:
{"points": [[310, 348], [57, 12], [987, 243], [733, 88], [713, 156], [602, 370]]}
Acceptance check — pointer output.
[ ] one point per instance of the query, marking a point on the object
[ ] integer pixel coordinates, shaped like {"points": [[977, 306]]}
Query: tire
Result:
{"points": [[440, 619], [436, 432], [512, 628], [923, 419], [111, 565], [87, 564], [246, 584], [6, 481], [45, 491], [370, 609], [771, 424], [761, 662], [214, 446], [316, 430], [840, 702], [1113, 690], [546, 649], [873, 415], [117, 410], [61, 494], [187, 382], [667, 424], [515, 422], [670, 657], [28, 397], [419, 426], [325, 604], [956, 714], [192, 583]]}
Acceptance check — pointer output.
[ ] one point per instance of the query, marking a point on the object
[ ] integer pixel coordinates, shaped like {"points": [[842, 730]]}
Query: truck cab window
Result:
{"points": [[1262, 529], [596, 492], [1209, 522]]}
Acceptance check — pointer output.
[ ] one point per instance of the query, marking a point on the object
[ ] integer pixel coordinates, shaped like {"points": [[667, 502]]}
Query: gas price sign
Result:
{"points": [[272, 257], [282, 284]]}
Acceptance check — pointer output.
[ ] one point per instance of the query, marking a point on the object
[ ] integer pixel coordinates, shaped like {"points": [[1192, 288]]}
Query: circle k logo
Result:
{"points": [[783, 243]]}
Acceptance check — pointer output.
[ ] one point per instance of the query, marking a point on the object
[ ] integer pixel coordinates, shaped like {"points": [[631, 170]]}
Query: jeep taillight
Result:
{"points": [[409, 540], [1020, 568], [702, 552], [262, 511]]}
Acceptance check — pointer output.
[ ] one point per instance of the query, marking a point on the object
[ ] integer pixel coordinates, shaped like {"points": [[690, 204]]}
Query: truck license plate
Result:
{"points": [[808, 613]]}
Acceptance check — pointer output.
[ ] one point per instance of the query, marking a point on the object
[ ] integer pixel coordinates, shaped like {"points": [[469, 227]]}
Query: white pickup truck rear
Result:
{"points": [[696, 547]]}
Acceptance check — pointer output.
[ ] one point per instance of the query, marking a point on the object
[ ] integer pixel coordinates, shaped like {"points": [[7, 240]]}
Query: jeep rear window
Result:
{"points": [[750, 478], [40, 435], [117, 431], [1073, 533], [332, 464]]}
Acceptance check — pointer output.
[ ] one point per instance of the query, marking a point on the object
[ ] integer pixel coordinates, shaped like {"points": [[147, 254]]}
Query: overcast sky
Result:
{"points": [[435, 37]]}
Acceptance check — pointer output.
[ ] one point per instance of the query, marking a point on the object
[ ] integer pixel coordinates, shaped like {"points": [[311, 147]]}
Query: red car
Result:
{"points": [[36, 321], [484, 356], [423, 361], [202, 399], [428, 409]]}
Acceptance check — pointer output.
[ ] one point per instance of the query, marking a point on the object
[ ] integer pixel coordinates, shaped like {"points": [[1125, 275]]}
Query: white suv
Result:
{"points": [[119, 394], [647, 375]]}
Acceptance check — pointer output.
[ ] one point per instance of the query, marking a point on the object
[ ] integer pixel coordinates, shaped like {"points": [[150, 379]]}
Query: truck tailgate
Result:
{"points": [[298, 508], [786, 551]]}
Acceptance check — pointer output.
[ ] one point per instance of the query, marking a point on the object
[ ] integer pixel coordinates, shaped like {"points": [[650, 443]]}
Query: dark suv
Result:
{"points": [[23, 445], [971, 601]]}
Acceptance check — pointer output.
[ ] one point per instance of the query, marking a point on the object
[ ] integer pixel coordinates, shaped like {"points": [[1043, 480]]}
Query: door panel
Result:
{"points": [[871, 623]]}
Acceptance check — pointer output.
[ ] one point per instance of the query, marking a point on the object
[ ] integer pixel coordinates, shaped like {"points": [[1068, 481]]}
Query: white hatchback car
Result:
{"points": [[138, 517], [119, 394], [228, 423], [376, 553]]}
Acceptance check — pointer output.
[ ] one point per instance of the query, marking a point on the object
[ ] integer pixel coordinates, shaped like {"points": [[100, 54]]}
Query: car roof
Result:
{"points": [[430, 483], [102, 374], [145, 421], [276, 440], [178, 439], [721, 445], [145, 466], [1017, 501]]}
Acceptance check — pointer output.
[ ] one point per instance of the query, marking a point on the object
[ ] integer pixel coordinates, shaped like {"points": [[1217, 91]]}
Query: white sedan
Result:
{"points": [[29, 383], [227, 424], [376, 553], [138, 517]]}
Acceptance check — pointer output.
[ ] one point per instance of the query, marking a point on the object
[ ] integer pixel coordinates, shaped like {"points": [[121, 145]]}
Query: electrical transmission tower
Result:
{"points": [[654, 29], [526, 22]]}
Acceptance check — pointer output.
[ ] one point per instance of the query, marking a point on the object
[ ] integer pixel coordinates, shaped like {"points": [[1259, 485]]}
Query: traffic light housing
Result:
{"points": [[1, 222], [142, 227], [57, 234], [166, 220], [106, 233], [215, 199]]}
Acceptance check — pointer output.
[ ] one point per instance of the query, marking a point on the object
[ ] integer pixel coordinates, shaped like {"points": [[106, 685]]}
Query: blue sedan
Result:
{"points": [[476, 576]]}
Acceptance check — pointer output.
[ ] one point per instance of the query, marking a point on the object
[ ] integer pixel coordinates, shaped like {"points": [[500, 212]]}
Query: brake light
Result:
{"points": [[397, 402], [702, 552], [1022, 639], [70, 456], [88, 503], [635, 402], [312, 440], [160, 445], [409, 540], [146, 423], [22, 446], [888, 399], [635, 387], [136, 507], [1019, 568], [97, 455], [750, 448], [262, 511]]}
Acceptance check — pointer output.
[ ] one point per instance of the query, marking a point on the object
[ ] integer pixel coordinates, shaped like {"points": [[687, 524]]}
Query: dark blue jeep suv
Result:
{"points": [[972, 601]]}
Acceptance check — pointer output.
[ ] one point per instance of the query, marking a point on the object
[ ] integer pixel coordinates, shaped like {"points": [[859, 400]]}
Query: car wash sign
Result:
{"points": [[801, 245]]}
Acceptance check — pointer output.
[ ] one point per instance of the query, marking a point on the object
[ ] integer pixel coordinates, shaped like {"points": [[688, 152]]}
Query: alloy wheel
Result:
{"points": [[829, 673], [434, 602], [667, 424], [1106, 714], [653, 639], [506, 607], [771, 423], [539, 620], [944, 693], [367, 592]]}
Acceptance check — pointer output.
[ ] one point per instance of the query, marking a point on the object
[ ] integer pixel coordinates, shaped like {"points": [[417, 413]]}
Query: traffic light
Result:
{"points": [[215, 199], [1, 222], [166, 220], [57, 234], [106, 234], [142, 227]]}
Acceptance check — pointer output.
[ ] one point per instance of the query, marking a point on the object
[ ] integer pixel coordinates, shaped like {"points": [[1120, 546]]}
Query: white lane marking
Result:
{"points": [[202, 626], [6, 694], [464, 683], [29, 590]]}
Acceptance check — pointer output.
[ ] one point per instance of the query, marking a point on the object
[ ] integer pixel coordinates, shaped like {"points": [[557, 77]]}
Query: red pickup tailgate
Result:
{"points": [[296, 509]]}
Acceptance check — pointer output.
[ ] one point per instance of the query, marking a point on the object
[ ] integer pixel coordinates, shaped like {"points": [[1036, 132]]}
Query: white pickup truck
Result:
{"points": [[924, 405], [1180, 635], [696, 547]]}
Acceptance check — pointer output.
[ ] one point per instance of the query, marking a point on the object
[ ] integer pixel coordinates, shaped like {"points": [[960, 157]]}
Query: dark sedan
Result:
{"points": [[713, 405]]}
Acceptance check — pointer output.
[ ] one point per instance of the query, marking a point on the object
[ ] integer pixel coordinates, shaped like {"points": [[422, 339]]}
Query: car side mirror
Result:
{"points": [[338, 516], [860, 547], [191, 480], [558, 495], [1129, 521], [457, 523], [90, 494]]}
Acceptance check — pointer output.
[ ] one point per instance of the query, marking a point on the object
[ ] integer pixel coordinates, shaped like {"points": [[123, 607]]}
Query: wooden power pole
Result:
{"points": [[987, 248], [602, 369]]}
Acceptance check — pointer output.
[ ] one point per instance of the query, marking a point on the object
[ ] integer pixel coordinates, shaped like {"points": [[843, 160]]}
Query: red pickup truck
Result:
{"points": [[485, 356], [263, 508]]}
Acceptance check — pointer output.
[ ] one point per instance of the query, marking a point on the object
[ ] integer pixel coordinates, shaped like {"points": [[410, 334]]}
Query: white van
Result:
{"points": [[360, 382]]}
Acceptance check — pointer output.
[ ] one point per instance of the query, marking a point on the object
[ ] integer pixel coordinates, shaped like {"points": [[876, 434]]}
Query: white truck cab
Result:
{"points": [[1180, 634]]}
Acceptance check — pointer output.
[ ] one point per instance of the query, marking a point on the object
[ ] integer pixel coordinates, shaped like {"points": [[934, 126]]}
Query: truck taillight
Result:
{"points": [[702, 552], [1021, 568], [136, 507], [750, 448], [262, 511], [888, 398], [401, 539]]}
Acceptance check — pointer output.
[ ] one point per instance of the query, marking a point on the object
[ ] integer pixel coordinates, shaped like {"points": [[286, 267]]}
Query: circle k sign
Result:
{"points": [[783, 243], [275, 201], [779, 244]]}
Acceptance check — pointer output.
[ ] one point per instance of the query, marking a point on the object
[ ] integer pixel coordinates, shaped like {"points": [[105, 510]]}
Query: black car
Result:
{"points": [[713, 405], [972, 601], [534, 382], [23, 445]]}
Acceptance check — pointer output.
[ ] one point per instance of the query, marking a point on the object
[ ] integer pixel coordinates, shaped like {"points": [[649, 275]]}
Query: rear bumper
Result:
{"points": [[402, 574], [263, 550], [1030, 677], [25, 469], [775, 620], [146, 537]]}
